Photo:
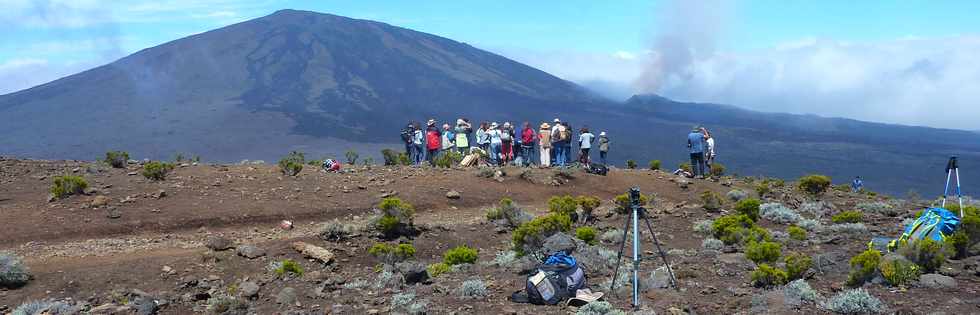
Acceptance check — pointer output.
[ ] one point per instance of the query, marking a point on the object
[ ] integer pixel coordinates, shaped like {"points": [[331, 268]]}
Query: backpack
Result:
{"points": [[406, 136], [331, 165], [433, 140], [563, 134], [554, 281], [934, 223], [598, 169]]}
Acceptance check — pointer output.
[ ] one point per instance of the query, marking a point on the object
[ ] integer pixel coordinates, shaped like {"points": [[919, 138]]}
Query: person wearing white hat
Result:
{"points": [[603, 147], [544, 136]]}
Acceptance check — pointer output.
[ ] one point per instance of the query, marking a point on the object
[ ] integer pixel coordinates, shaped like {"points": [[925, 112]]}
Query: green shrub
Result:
{"points": [[351, 156], [532, 234], [727, 228], [288, 266], [763, 252], [512, 215], [588, 204], [863, 267], [654, 165], [850, 216], [796, 233], [766, 276], [390, 156], [717, 170], [396, 217], [117, 159], [958, 243], [630, 164], [926, 253], [67, 185], [797, 264], [762, 189], [437, 269], [563, 205], [315, 163], [623, 203], [388, 253], [157, 170], [712, 201], [448, 159], [899, 272], [857, 301], [292, 163], [814, 184], [749, 207], [460, 255], [13, 273], [587, 234]]}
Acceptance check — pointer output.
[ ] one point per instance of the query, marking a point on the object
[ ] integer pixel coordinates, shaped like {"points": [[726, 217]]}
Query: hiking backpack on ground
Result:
{"points": [[554, 281], [935, 223], [598, 169]]}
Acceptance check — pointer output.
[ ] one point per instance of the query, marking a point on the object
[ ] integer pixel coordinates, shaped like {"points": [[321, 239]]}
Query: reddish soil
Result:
{"points": [[77, 251]]}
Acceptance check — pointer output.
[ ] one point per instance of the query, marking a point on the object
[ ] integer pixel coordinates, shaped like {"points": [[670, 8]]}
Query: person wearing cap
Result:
{"points": [[585, 140], [462, 131], [448, 138], [603, 147], [433, 141], [544, 135], [482, 138], [495, 143], [695, 142]]}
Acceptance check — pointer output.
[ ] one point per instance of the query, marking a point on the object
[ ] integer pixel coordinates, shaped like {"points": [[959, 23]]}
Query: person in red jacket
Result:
{"points": [[527, 144], [433, 141]]}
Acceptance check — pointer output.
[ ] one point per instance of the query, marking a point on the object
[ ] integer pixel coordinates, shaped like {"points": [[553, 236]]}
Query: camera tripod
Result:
{"points": [[953, 167], [633, 220]]}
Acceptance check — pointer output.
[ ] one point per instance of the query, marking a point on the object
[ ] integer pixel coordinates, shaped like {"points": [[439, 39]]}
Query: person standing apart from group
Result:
{"points": [[527, 144], [585, 140], [544, 137], [603, 147], [462, 131], [696, 144]]}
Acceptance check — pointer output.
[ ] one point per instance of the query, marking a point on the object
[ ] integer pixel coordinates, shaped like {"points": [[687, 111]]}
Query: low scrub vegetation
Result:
{"points": [[763, 252], [460, 255], [766, 276], [508, 214], [437, 269], [630, 164], [623, 205], [797, 265], [586, 234], [857, 301], [749, 208], [588, 204], [448, 159], [655, 165], [351, 156], [288, 267], [473, 288], [13, 273], [848, 217], [396, 217], [532, 234], [814, 184], [64, 186], [796, 233], [778, 213], [292, 163], [116, 159], [390, 254], [899, 272], [864, 267], [927, 254], [393, 157], [562, 205], [717, 170], [712, 201], [157, 170], [738, 229]]}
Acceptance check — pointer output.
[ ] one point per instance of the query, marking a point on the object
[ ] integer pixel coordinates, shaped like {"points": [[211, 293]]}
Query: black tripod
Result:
{"points": [[634, 220], [952, 167]]}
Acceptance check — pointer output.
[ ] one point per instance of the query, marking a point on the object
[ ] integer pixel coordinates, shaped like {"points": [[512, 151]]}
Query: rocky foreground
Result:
{"points": [[246, 239]]}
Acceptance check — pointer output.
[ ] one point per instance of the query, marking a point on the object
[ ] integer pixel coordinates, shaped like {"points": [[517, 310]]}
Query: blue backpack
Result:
{"points": [[935, 223], [555, 281]]}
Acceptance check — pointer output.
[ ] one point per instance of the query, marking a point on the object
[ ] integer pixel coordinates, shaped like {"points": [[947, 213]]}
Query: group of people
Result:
{"points": [[503, 144], [702, 148]]}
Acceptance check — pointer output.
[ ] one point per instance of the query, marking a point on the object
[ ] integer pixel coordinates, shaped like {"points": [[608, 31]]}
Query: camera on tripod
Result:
{"points": [[635, 197], [636, 204]]}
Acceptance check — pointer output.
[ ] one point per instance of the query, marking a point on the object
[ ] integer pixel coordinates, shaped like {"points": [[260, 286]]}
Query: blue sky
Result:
{"points": [[848, 53]]}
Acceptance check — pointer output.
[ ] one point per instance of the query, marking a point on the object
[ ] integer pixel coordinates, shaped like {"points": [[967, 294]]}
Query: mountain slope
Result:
{"points": [[324, 84], [297, 74]]}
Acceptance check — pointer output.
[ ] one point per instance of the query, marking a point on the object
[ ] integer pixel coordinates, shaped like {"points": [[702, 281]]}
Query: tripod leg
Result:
{"points": [[959, 194], [673, 281], [619, 257], [949, 175]]}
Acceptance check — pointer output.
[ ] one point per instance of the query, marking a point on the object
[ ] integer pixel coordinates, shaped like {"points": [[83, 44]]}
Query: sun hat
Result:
{"points": [[493, 125], [602, 134], [584, 296], [557, 120], [431, 122], [545, 125]]}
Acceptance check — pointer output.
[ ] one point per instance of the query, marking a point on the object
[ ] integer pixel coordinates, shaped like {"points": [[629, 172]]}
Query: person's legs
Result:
{"points": [[586, 158], [602, 157], [694, 164], [700, 160], [432, 156], [495, 153]]}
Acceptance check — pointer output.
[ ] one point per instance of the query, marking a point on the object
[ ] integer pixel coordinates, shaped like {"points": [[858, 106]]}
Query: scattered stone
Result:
{"points": [[159, 194], [168, 270], [286, 225], [287, 296], [559, 242], [90, 191], [452, 194], [250, 251], [315, 252], [249, 289], [52, 198], [218, 243], [414, 272], [145, 305], [114, 213], [100, 201], [937, 281]]}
